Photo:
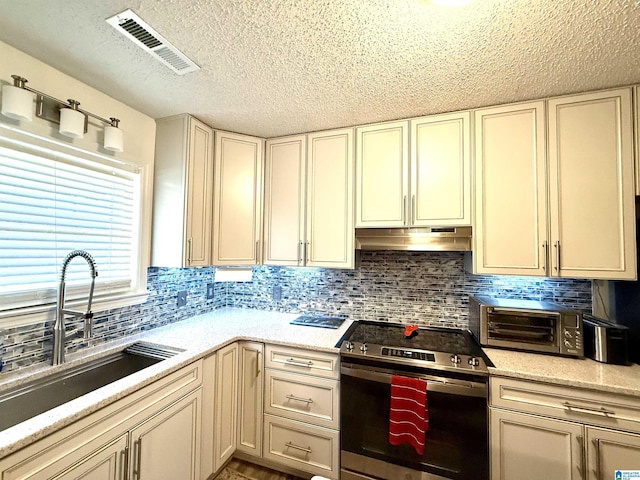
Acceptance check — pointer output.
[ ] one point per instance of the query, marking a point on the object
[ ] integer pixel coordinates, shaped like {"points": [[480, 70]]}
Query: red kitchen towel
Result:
{"points": [[409, 415]]}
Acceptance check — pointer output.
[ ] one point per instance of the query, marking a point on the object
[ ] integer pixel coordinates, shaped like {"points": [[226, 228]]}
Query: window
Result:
{"points": [[52, 203]]}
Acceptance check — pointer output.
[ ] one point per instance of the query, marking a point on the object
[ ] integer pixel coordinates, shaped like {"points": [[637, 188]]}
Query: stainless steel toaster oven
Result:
{"points": [[527, 325]]}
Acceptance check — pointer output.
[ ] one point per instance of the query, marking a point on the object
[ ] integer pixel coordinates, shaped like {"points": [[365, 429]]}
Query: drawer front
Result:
{"points": [[300, 397], [298, 445], [567, 403], [299, 360]]}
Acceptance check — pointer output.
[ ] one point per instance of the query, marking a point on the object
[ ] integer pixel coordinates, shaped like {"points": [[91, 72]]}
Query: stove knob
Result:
{"points": [[474, 362], [348, 345], [363, 347], [455, 359]]}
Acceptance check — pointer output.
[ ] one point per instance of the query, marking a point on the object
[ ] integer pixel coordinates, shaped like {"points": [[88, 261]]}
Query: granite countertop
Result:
{"points": [[199, 336], [571, 372]]}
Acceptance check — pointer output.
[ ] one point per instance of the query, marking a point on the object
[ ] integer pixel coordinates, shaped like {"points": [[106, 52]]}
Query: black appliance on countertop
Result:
{"points": [[455, 369], [605, 341]]}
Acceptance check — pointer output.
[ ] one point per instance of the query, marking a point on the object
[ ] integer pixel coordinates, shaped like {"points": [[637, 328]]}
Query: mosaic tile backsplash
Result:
{"points": [[429, 288]]}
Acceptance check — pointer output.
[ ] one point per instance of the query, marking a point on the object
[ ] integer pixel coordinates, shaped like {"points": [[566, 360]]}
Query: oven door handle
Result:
{"points": [[434, 384]]}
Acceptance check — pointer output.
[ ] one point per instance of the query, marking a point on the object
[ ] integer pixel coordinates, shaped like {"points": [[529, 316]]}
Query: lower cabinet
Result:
{"points": [[153, 433], [250, 395], [226, 404], [578, 444]]}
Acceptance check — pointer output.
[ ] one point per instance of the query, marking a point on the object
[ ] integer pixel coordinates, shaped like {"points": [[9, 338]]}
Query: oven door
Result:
{"points": [[456, 443], [522, 329]]}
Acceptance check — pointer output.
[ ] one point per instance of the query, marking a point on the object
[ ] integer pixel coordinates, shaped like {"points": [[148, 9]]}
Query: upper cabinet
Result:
{"points": [[329, 237], [284, 201], [510, 230], [182, 193], [570, 216], [430, 185], [237, 211], [592, 191]]}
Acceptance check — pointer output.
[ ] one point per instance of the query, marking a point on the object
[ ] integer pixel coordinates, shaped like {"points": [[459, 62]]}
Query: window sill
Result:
{"points": [[46, 313]]}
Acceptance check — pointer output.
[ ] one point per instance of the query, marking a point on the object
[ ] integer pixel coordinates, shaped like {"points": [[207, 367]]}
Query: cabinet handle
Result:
{"points": [[307, 247], [583, 458], [299, 250], [138, 456], [545, 250], [124, 462], [405, 220], [298, 363], [298, 447], [258, 353], [189, 250], [602, 412], [299, 399], [413, 209], [557, 245], [596, 443]]}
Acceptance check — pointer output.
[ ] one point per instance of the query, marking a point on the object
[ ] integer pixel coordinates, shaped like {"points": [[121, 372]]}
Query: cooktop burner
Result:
{"points": [[433, 347]]}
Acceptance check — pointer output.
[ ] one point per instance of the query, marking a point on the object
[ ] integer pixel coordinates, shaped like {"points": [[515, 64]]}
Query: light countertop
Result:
{"points": [[198, 336], [571, 372]]}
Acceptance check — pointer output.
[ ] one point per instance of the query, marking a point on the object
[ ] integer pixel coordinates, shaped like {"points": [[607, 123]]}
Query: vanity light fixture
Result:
{"points": [[17, 103]]}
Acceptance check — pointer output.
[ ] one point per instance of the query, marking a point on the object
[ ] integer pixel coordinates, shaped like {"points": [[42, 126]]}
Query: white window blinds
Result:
{"points": [[52, 205]]}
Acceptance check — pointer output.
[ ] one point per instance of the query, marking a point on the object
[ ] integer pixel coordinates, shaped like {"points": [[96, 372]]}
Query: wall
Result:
{"points": [[430, 288]]}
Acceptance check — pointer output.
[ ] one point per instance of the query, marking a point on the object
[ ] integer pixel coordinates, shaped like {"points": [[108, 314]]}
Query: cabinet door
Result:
{"points": [[199, 195], [237, 213], [167, 445], [636, 109], [610, 450], [284, 200], [441, 170], [527, 447], [183, 193], [330, 231], [592, 189], [382, 175], [226, 405], [511, 199], [250, 397]]}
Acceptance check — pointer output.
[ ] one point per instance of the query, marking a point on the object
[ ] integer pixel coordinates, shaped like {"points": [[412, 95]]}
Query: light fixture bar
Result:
{"points": [[20, 82]]}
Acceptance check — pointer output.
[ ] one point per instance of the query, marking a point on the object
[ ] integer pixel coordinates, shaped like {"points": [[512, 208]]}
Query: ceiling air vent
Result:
{"points": [[134, 28]]}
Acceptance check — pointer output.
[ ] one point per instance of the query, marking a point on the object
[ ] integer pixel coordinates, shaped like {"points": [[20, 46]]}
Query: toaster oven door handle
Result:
{"points": [[603, 412], [435, 384], [522, 312]]}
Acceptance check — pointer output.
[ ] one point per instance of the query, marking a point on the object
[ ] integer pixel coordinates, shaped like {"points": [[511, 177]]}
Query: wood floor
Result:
{"points": [[257, 472]]}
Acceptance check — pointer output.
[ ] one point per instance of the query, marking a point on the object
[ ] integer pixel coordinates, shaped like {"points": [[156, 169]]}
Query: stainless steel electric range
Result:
{"points": [[455, 369]]}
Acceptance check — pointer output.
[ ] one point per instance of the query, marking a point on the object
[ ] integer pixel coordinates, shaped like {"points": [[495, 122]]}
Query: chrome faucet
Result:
{"points": [[59, 327]]}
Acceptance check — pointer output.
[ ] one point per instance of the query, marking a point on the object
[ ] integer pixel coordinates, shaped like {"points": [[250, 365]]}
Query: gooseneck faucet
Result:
{"points": [[59, 327]]}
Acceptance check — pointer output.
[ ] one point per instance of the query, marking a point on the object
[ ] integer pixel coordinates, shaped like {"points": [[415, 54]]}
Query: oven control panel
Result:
{"points": [[437, 360]]}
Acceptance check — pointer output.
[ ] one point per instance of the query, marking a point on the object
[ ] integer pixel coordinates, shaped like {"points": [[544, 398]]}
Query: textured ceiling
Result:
{"points": [[277, 67]]}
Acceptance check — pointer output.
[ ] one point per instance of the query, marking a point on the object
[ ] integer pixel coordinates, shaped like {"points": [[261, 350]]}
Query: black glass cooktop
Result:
{"points": [[436, 339]]}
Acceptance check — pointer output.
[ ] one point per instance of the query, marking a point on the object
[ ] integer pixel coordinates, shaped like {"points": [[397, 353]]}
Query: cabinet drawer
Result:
{"points": [[300, 397], [298, 360], [302, 446], [568, 403]]}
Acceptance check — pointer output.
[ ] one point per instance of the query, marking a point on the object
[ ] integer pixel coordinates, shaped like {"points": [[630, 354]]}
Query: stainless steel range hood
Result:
{"points": [[443, 239]]}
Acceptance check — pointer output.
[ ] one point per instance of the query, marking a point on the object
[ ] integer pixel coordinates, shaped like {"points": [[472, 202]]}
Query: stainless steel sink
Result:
{"points": [[31, 399]]}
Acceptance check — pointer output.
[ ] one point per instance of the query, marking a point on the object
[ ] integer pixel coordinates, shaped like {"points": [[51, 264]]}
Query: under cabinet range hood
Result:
{"points": [[438, 239]]}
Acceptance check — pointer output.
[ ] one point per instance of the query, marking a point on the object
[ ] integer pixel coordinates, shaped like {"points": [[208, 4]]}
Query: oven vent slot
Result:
{"points": [[139, 32]]}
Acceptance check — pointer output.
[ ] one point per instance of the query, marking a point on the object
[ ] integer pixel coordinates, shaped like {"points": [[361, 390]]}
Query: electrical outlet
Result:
{"points": [[182, 298], [210, 291], [276, 294]]}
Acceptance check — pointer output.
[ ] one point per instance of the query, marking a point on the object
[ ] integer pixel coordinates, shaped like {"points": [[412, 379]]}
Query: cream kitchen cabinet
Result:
{"points": [[284, 201], [636, 104], [250, 397], [549, 431], [237, 206], [329, 237], [183, 193], [428, 186], [152, 433], [301, 417], [226, 404], [573, 216], [510, 229], [592, 191]]}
